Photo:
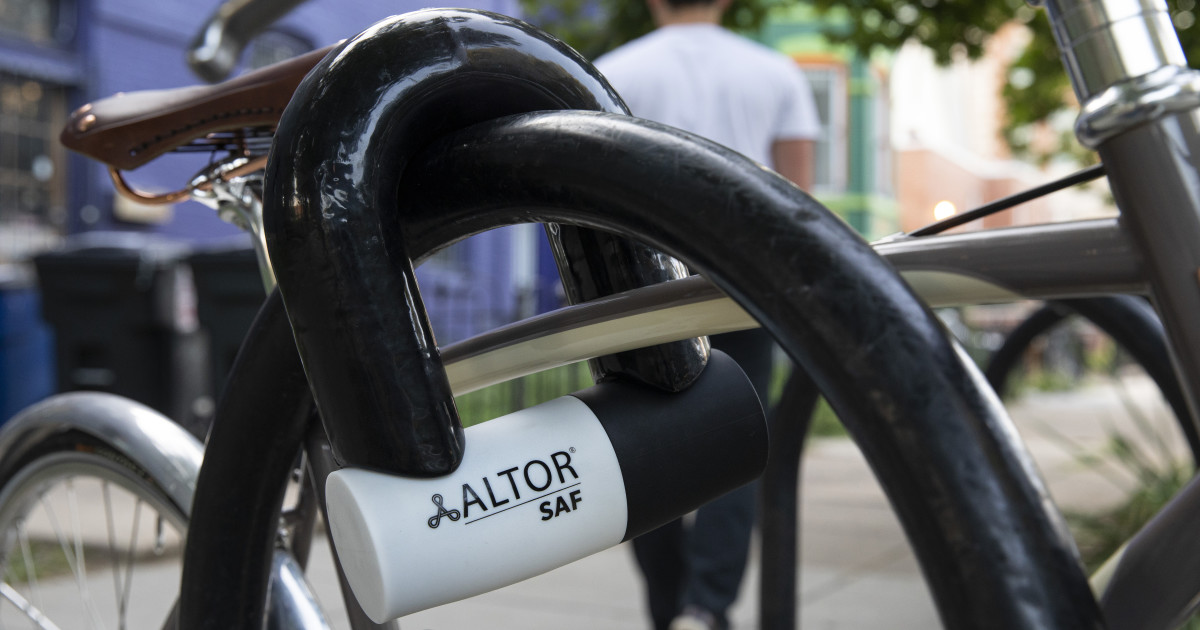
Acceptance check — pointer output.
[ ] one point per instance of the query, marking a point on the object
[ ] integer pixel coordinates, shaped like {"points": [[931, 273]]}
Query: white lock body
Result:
{"points": [[545, 490], [543, 487]]}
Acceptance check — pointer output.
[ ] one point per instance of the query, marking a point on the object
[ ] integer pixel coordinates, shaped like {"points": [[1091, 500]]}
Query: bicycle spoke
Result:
{"points": [[123, 602], [121, 584], [112, 542], [80, 556], [30, 570], [73, 555], [34, 613]]}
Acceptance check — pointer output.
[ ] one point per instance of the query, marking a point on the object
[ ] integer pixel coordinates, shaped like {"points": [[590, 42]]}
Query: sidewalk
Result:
{"points": [[857, 570]]}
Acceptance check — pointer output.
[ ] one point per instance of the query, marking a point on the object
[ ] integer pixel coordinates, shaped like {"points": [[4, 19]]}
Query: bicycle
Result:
{"points": [[1039, 554]]}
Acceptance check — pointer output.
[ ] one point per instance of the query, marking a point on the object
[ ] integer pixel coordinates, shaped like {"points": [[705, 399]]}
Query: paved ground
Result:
{"points": [[857, 570]]}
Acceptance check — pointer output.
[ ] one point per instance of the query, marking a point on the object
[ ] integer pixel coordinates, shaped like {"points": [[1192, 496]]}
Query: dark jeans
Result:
{"points": [[702, 565]]}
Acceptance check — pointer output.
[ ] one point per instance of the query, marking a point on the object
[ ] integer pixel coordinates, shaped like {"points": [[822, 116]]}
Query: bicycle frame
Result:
{"points": [[1139, 112], [996, 266]]}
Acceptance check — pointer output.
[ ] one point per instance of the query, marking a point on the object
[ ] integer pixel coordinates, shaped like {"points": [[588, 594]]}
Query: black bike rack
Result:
{"points": [[405, 181], [1131, 322]]}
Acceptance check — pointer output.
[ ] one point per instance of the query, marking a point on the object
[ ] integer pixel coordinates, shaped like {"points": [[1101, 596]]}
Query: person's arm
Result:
{"points": [[794, 160]]}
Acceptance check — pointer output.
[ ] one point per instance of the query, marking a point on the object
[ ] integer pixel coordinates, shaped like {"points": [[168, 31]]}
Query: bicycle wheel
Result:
{"points": [[92, 523]]}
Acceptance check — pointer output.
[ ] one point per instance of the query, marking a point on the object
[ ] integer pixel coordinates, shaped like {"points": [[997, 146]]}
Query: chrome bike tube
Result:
{"points": [[215, 51], [1073, 259], [1139, 112], [1089, 258]]}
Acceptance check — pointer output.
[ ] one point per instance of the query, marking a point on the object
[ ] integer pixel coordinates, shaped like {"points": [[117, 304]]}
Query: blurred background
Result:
{"points": [[928, 108]]}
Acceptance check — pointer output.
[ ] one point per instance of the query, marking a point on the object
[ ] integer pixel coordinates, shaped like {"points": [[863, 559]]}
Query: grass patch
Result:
{"points": [[1142, 454], [1100, 535], [47, 559], [504, 398], [825, 422]]}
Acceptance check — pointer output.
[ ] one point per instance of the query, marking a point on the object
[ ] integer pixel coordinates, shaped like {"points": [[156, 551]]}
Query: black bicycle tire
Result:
{"points": [[77, 441], [1130, 321]]}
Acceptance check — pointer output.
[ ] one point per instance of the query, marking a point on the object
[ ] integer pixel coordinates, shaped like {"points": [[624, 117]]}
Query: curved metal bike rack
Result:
{"points": [[1131, 322], [922, 417], [993, 555]]}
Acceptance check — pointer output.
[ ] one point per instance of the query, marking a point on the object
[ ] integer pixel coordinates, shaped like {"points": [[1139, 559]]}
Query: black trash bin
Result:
{"points": [[122, 306], [229, 292]]}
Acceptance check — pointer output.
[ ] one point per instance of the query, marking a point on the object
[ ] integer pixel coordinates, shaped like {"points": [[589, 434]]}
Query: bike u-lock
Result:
{"points": [[342, 234], [374, 368]]}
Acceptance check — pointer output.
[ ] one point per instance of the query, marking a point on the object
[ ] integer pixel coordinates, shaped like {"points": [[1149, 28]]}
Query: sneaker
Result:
{"points": [[694, 619]]}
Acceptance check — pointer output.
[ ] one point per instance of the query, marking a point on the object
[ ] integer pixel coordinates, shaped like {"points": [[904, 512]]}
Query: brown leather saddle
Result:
{"points": [[128, 130]]}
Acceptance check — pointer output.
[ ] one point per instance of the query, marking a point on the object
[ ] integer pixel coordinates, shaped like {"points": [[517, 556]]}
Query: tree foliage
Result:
{"points": [[594, 27], [1036, 93], [1038, 89], [946, 27]]}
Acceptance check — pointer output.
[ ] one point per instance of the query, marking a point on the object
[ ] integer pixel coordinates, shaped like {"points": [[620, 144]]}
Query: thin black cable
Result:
{"points": [[1087, 174]]}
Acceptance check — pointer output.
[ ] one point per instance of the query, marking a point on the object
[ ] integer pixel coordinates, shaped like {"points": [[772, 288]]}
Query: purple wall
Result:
{"points": [[128, 45]]}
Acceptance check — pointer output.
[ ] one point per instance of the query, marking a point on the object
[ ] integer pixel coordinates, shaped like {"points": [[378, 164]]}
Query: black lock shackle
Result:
{"points": [[335, 225]]}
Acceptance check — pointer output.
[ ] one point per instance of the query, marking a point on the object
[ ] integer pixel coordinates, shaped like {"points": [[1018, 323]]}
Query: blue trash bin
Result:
{"points": [[26, 343]]}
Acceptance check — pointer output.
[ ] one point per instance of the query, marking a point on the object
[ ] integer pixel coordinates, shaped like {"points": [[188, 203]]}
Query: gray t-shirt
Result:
{"points": [[704, 79]]}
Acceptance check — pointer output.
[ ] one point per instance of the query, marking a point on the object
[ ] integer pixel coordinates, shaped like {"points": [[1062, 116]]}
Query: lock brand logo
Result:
{"points": [[436, 519], [554, 482]]}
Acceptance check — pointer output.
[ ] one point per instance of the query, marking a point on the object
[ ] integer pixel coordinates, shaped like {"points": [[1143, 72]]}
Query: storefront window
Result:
{"points": [[32, 182], [37, 21], [274, 46], [828, 91]]}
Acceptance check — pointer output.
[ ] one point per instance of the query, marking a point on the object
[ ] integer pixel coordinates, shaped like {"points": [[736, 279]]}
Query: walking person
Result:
{"points": [[693, 74]]}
